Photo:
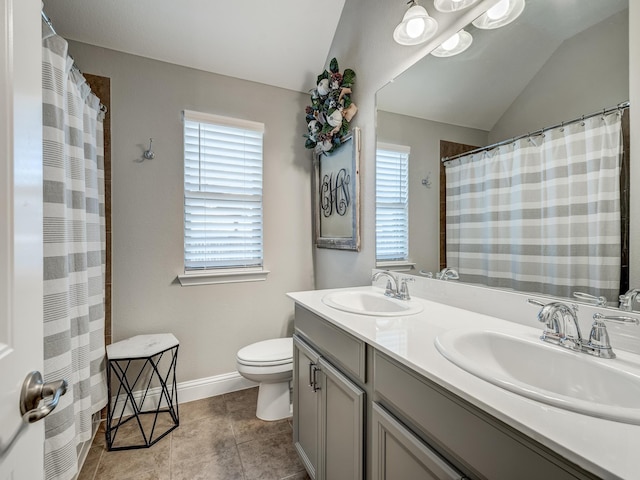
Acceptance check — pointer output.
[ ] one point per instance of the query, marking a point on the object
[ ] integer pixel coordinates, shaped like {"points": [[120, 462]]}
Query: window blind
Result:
{"points": [[392, 202], [222, 192]]}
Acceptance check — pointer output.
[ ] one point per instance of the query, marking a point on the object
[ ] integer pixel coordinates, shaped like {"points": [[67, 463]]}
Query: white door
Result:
{"points": [[21, 329]]}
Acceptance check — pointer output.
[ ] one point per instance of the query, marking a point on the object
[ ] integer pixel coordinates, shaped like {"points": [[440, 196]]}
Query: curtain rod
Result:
{"points": [[47, 20], [604, 111]]}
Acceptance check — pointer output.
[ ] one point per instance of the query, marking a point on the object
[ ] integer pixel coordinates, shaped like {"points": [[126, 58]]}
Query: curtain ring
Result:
{"points": [[562, 126], [582, 122]]}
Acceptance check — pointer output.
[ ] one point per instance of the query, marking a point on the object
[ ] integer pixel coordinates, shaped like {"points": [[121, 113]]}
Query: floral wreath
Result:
{"points": [[331, 109]]}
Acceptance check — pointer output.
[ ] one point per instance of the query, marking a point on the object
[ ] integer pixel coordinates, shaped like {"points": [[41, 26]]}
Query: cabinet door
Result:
{"points": [[306, 398], [398, 454], [342, 425]]}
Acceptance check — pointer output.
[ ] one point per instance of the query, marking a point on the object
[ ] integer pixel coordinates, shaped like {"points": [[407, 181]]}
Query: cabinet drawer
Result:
{"points": [[346, 351], [398, 453], [479, 444]]}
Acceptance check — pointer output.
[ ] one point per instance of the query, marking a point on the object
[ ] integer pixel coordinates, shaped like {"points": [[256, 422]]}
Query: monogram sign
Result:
{"points": [[334, 193]]}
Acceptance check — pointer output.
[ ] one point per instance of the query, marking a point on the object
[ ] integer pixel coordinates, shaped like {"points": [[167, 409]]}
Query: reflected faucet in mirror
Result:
{"points": [[446, 273], [626, 300]]}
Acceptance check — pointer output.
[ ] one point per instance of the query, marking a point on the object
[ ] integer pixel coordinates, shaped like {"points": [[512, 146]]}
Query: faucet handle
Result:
{"points": [[601, 301], [535, 302], [389, 290], [403, 292], [598, 317], [599, 344]]}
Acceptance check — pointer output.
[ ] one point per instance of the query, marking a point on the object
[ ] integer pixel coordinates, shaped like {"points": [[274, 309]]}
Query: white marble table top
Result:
{"points": [[141, 346]]}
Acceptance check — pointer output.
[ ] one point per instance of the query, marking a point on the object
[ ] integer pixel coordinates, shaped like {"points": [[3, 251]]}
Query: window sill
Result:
{"points": [[223, 276], [396, 266]]}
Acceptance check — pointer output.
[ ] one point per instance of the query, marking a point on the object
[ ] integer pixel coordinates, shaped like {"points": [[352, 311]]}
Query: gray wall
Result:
{"points": [[586, 73], [423, 136], [213, 321]]}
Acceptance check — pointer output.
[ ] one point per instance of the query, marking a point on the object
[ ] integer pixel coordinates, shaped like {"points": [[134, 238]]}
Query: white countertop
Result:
{"points": [[606, 448]]}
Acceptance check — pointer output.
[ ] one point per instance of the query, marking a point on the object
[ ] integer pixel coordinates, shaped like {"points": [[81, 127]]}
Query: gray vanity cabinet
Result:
{"points": [[359, 413], [306, 401], [477, 444], [328, 420]]}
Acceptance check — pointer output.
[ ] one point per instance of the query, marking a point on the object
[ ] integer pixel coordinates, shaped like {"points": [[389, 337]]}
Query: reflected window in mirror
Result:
{"points": [[392, 204]]}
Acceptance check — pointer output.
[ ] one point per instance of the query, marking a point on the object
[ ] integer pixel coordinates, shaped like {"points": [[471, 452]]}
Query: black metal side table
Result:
{"points": [[144, 407]]}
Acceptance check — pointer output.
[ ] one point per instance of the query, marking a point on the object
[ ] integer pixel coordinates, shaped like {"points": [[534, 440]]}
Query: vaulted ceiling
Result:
{"points": [[283, 43], [286, 44]]}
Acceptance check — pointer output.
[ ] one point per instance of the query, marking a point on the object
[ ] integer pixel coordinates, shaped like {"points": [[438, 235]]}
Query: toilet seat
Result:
{"points": [[273, 352]]}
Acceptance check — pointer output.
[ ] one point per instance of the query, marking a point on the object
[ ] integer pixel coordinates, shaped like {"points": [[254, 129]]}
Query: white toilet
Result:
{"points": [[270, 363]]}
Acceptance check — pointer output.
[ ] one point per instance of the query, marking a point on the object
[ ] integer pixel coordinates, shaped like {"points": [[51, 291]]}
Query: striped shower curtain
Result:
{"points": [[541, 214], [74, 255]]}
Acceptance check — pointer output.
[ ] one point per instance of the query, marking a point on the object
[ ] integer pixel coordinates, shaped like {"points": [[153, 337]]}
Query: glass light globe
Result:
{"points": [[499, 10], [415, 27], [452, 42]]}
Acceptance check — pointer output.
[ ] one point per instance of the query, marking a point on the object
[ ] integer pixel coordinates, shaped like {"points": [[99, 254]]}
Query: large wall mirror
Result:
{"points": [[559, 60]]}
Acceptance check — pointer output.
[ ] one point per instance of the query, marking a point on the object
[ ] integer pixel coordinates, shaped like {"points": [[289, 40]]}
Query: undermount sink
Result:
{"points": [[523, 364], [370, 303]]}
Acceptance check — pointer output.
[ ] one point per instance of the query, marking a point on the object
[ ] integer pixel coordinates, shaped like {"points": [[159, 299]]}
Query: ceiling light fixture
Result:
{"points": [[456, 44], [416, 26], [448, 6], [501, 14]]}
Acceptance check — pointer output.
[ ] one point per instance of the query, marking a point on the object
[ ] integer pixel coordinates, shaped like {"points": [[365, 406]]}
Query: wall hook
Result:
{"points": [[149, 154], [427, 181]]}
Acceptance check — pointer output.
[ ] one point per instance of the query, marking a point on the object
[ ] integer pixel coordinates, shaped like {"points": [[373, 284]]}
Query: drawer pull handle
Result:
{"points": [[311, 367], [315, 379]]}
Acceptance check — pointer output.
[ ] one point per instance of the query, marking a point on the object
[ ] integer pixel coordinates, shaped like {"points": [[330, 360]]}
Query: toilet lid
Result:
{"points": [[268, 352]]}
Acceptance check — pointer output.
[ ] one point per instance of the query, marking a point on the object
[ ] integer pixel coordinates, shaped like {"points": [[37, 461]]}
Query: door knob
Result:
{"points": [[34, 390]]}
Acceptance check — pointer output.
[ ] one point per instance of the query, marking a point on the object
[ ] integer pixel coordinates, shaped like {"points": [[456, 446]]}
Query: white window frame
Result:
{"points": [[254, 269], [403, 204]]}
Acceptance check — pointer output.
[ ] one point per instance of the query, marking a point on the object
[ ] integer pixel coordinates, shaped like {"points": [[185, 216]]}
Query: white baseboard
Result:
{"points": [[188, 391], [212, 386]]}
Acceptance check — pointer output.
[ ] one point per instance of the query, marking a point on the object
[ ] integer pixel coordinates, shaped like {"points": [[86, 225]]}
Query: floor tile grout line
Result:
{"points": [[95, 470], [171, 455], [244, 473]]}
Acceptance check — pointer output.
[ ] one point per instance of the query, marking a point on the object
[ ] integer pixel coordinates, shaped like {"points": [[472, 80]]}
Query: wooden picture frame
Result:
{"points": [[337, 195]]}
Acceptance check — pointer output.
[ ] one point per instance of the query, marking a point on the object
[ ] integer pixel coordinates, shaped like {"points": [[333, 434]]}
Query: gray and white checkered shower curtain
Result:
{"points": [[541, 214], [74, 255]]}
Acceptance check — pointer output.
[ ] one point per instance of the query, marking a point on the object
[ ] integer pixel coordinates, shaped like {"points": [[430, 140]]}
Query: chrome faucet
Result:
{"points": [[395, 289], [448, 274], [626, 300], [561, 324], [562, 328], [392, 283]]}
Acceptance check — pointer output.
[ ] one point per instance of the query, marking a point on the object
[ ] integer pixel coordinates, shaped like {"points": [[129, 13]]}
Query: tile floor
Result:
{"points": [[219, 438]]}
